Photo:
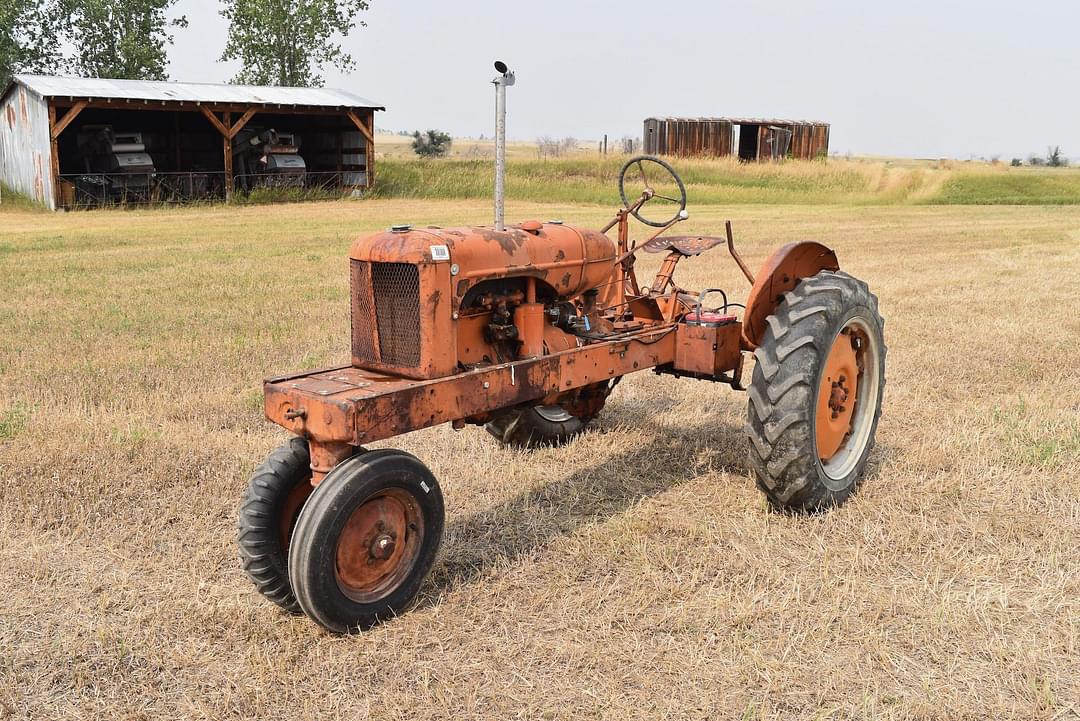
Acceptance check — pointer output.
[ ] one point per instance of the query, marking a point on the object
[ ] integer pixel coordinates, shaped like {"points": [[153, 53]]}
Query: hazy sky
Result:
{"points": [[920, 78]]}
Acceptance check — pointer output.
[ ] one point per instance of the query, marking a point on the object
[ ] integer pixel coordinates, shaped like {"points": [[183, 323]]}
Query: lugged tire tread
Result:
{"points": [[779, 411], [276, 476]]}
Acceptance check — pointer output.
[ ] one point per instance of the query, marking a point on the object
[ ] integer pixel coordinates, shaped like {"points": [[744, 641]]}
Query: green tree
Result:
{"points": [[28, 33], [126, 39], [432, 144], [288, 42], [1055, 158]]}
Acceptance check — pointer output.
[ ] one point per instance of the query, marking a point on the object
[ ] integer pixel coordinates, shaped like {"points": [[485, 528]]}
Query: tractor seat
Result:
{"points": [[686, 244]]}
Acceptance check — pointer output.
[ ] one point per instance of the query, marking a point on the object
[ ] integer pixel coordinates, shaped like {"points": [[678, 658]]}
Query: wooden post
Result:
{"points": [[239, 124], [369, 154], [54, 160], [368, 131], [226, 140], [226, 144], [176, 140], [58, 126]]}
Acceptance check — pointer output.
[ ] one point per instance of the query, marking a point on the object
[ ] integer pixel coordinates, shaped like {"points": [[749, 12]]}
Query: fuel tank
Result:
{"points": [[568, 260]]}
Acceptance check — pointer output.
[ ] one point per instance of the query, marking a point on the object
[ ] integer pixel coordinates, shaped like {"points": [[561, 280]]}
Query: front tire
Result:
{"points": [[366, 540], [815, 398], [276, 492]]}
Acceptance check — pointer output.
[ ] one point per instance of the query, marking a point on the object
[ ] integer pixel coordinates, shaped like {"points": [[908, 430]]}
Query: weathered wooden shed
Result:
{"points": [[752, 139], [178, 142]]}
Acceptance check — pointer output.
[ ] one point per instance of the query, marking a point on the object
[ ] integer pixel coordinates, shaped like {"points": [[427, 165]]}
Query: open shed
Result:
{"points": [[75, 142], [751, 139]]}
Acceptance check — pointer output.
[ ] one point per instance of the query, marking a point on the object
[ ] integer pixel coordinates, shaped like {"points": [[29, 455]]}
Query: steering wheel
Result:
{"points": [[655, 182]]}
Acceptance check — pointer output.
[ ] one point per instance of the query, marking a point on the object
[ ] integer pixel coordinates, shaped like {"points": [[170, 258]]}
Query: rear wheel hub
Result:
{"points": [[838, 393]]}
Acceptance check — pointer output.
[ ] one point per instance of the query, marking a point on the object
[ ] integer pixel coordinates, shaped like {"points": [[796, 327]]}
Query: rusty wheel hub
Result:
{"points": [[379, 545], [838, 393]]}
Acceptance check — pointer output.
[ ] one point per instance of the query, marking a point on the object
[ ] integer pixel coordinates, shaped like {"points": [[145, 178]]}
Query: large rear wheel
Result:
{"points": [[366, 540], [552, 425], [537, 426], [815, 397]]}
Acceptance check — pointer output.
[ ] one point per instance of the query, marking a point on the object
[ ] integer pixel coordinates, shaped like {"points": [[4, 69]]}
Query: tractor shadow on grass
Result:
{"points": [[524, 525]]}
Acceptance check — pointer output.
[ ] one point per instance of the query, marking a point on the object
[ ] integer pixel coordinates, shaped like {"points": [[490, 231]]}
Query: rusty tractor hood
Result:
{"points": [[570, 260]]}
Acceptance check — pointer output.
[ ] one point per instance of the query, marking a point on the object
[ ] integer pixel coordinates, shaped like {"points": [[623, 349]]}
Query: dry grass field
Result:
{"points": [[636, 573]]}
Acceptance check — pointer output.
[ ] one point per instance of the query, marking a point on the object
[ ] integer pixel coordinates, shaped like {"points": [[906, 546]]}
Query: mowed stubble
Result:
{"points": [[635, 573]]}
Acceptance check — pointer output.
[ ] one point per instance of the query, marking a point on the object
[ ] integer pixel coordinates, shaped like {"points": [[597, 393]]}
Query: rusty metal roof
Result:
{"points": [[744, 121], [51, 86]]}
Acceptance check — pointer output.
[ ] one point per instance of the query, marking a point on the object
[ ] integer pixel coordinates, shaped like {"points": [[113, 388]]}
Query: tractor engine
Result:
{"points": [[428, 303]]}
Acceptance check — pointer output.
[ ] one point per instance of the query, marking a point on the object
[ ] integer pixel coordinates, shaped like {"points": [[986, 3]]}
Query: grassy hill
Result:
{"points": [[727, 181]]}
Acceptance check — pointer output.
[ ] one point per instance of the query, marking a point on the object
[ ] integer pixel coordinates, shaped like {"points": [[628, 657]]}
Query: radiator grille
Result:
{"points": [[363, 328], [386, 304]]}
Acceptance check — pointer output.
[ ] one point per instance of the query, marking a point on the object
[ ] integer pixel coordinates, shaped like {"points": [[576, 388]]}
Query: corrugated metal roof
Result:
{"points": [[57, 86]]}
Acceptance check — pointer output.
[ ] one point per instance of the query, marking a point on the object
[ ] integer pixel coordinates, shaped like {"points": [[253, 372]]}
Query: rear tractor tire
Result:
{"points": [[540, 426], [537, 427], [815, 397], [366, 540]]}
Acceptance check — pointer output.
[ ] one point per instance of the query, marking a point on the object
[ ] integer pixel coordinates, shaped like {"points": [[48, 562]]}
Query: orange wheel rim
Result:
{"points": [[838, 393], [379, 545], [291, 510]]}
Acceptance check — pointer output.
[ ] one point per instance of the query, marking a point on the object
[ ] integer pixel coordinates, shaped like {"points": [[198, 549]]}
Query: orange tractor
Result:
{"points": [[526, 330]]}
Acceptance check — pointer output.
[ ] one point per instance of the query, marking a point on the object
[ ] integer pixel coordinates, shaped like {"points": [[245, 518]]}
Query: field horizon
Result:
{"points": [[584, 177]]}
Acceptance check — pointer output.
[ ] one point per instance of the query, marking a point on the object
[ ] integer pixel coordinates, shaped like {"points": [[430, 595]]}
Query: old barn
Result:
{"points": [[81, 142], [751, 139]]}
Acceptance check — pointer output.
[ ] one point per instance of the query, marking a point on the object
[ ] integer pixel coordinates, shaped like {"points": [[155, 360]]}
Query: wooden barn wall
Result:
{"points": [[714, 137], [687, 138]]}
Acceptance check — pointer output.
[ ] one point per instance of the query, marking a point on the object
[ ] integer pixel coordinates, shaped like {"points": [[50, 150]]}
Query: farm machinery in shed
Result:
{"points": [[116, 163], [269, 158], [525, 330]]}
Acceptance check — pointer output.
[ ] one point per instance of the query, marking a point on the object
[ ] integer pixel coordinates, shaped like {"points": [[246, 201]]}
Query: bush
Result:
{"points": [[432, 144], [550, 147]]}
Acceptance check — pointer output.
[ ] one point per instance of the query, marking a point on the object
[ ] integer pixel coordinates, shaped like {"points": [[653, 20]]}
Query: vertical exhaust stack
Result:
{"points": [[502, 81]]}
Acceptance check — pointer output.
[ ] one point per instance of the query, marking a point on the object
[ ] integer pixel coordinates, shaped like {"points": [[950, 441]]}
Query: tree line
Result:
{"points": [[277, 42]]}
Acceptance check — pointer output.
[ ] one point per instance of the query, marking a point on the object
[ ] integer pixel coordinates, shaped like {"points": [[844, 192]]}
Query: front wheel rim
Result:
{"points": [[847, 398], [379, 545]]}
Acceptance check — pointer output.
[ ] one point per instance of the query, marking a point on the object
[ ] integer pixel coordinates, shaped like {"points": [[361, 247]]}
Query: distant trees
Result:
{"points": [[118, 38], [1055, 158], [432, 144], [550, 147], [288, 43], [103, 38], [27, 38]]}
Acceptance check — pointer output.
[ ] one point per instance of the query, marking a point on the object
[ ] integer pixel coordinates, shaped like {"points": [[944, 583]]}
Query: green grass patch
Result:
{"points": [[720, 181], [13, 420], [11, 200], [1046, 186]]}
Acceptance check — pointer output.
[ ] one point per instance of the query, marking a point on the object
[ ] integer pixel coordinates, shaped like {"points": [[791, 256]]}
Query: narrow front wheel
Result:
{"points": [[366, 540], [276, 492]]}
